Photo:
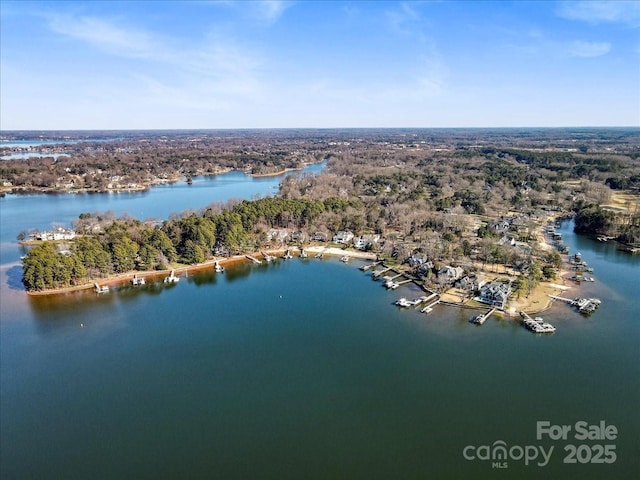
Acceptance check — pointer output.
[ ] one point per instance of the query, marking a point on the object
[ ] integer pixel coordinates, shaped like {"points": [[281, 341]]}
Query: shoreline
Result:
{"points": [[538, 300], [274, 174], [27, 190], [224, 261]]}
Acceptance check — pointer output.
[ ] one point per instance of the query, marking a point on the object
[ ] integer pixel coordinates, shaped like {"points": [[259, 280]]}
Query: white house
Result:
{"points": [[58, 234], [343, 237], [364, 241]]}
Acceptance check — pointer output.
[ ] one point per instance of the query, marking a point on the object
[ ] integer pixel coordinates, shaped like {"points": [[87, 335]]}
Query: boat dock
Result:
{"points": [[482, 317], [536, 325], [390, 281], [429, 307], [268, 258], [584, 305], [377, 273], [171, 278], [395, 276], [137, 281], [562, 299], [100, 289], [430, 297], [366, 268], [403, 302], [253, 259], [587, 305]]}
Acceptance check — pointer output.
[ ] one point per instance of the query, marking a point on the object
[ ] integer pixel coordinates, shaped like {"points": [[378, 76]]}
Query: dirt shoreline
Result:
{"points": [[275, 174], [224, 261]]}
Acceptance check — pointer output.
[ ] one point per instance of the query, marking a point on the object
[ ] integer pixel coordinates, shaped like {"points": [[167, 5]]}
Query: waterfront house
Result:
{"points": [[450, 274], [58, 234], [319, 237], [365, 241], [495, 293], [277, 235], [220, 250], [296, 236], [415, 261], [343, 237], [470, 283]]}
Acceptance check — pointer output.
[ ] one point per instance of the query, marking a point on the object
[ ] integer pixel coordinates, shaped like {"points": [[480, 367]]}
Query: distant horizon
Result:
{"points": [[270, 64], [186, 129]]}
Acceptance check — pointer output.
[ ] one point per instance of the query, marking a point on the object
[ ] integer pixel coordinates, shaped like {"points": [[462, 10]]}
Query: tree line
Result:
{"points": [[125, 244]]}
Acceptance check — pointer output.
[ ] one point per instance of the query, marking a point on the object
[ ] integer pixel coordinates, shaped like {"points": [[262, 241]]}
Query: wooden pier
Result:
{"points": [[366, 268], [430, 297], [253, 259], [268, 258], [563, 299], [584, 305], [377, 273], [480, 319], [429, 307]]}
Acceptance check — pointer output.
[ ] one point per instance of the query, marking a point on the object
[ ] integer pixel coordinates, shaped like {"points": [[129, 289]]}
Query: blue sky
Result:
{"points": [[279, 64]]}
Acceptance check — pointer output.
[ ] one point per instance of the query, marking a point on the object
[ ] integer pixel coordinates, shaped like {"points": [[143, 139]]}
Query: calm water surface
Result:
{"points": [[305, 369]]}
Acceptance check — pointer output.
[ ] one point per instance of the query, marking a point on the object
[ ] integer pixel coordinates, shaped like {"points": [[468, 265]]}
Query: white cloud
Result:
{"points": [[263, 11], [406, 20], [210, 73], [271, 10], [609, 11], [589, 49], [106, 36]]}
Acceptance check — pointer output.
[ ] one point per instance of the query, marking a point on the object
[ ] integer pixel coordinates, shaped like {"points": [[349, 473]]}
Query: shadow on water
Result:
{"points": [[57, 313], [237, 272], [53, 307], [14, 278], [129, 292]]}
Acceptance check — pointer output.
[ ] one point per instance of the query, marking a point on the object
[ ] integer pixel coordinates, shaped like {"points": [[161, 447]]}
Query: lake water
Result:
{"points": [[24, 212], [304, 369]]}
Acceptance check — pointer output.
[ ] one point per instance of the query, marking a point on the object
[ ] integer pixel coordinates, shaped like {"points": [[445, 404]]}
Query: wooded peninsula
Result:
{"points": [[426, 199]]}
